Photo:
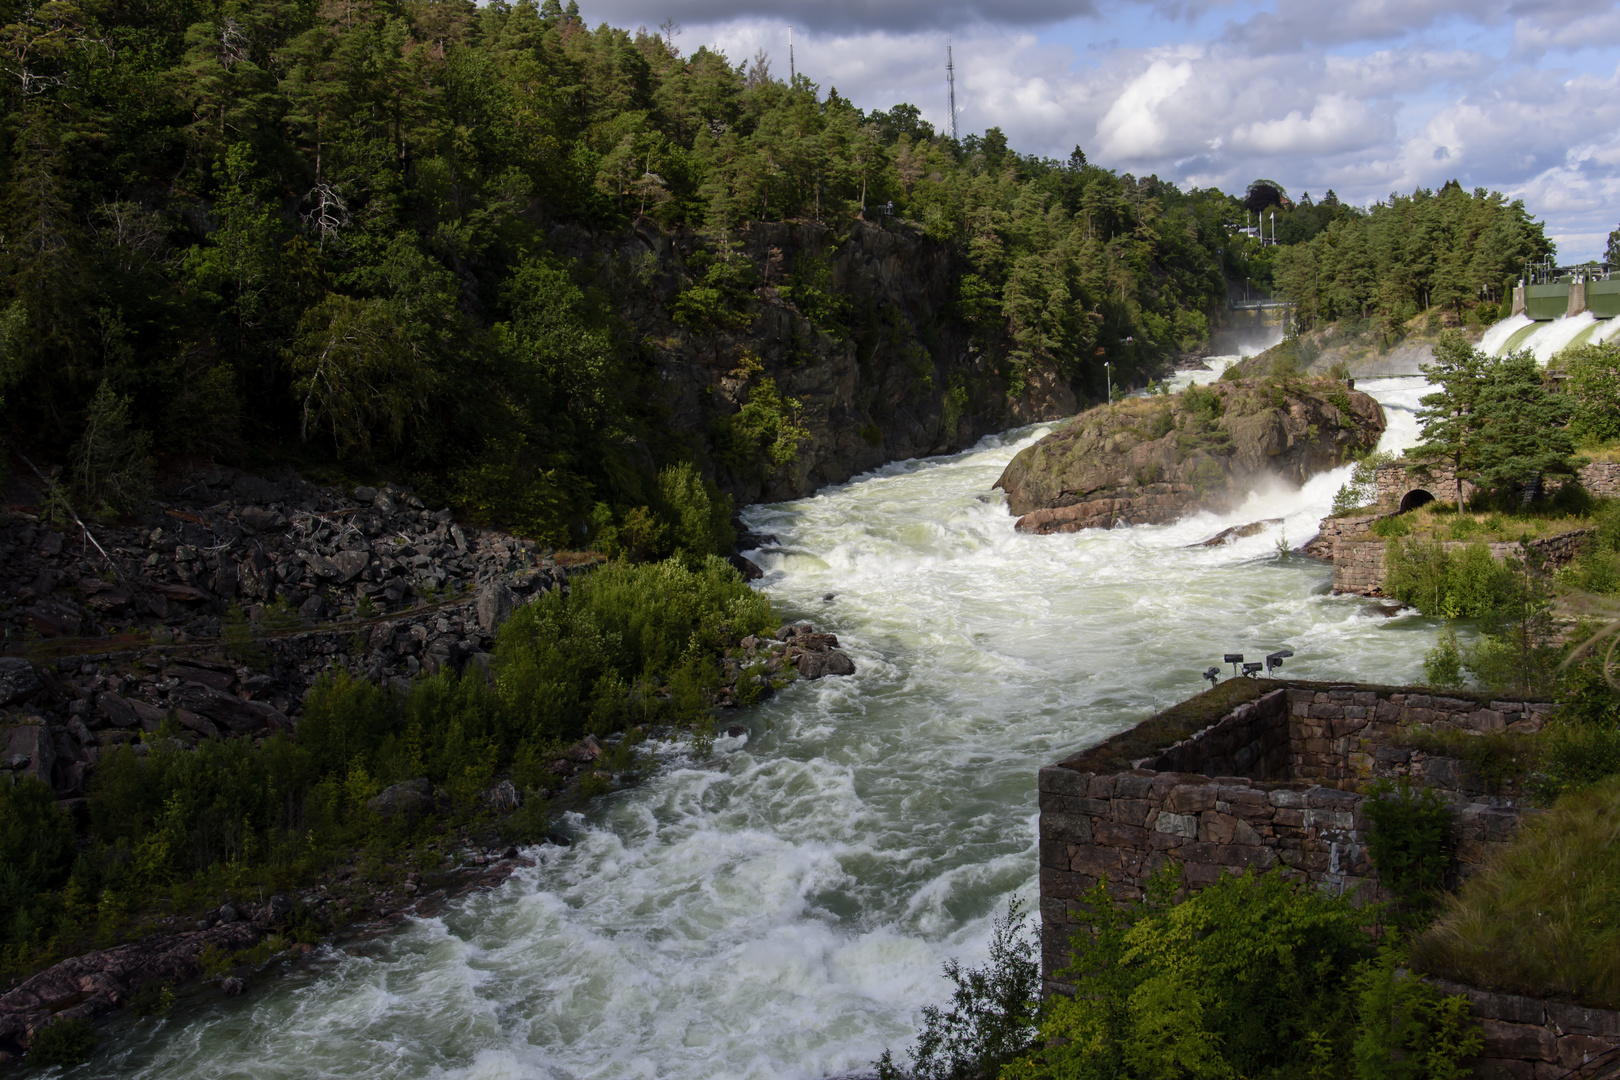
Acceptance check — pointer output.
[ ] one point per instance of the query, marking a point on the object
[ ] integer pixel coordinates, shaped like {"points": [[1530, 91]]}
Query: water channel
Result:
{"points": [[781, 910]]}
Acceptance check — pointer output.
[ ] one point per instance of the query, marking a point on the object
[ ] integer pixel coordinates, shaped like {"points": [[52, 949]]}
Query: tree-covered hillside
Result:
{"points": [[329, 230], [1451, 250]]}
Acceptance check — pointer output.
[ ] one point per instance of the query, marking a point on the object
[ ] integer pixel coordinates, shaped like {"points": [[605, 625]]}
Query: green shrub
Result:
{"points": [[1574, 756], [1249, 977], [993, 1011], [65, 1043], [699, 514], [1408, 840], [112, 466], [1408, 1029], [1594, 386], [1392, 527], [1456, 585], [1543, 916], [1362, 487], [36, 852], [344, 718], [1442, 665]]}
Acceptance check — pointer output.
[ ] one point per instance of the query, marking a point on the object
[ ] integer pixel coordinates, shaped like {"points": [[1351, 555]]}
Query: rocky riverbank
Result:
{"points": [[211, 618], [1152, 460]]}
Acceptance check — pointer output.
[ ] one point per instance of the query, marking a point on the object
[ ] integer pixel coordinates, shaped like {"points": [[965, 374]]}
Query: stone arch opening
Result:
{"points": [[1415, 498]]}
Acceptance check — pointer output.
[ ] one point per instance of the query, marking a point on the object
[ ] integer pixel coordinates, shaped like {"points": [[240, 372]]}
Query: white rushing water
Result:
{"points": [[782, 910], [1546, 340]]}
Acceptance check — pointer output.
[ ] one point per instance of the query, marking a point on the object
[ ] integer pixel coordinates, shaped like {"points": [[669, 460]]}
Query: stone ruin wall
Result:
{"points": [[1358, 565], [1278, 782], [1358, 555]]}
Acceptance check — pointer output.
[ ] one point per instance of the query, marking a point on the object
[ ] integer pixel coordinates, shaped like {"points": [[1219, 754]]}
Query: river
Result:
{"points": [[782, 909]]}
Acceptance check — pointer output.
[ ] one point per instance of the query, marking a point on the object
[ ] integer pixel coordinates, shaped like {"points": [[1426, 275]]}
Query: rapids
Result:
{"points": [[782, 909]]}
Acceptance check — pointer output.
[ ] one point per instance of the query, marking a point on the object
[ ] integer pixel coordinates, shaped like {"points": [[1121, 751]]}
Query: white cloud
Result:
{"points": [[1133, 129], [1336, 124]]}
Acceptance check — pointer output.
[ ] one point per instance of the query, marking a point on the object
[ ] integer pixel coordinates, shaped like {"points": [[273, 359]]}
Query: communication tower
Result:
{"points": [[950, 82], [793, 76]]}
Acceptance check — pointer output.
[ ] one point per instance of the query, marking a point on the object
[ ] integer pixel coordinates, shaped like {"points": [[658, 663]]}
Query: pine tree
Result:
{"points": [[1448, 418], [1521, 425]]}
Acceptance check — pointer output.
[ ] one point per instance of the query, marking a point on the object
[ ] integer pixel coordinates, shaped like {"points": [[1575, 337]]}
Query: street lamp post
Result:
{"points": [[1109, 365]]}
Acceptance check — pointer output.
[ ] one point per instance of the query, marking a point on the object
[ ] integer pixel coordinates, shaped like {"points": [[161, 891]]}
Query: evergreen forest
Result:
{"points": [[388, 237]]}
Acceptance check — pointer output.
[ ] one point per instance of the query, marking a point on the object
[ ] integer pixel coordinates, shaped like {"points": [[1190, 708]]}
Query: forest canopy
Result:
{"points": [[331, 231]]}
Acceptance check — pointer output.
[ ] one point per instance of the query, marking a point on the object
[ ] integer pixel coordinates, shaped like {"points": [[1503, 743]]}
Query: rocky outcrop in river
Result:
{"points": [[1151, 460]]}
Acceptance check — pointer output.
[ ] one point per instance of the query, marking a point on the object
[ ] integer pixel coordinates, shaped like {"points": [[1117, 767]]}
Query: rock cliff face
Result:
{"points": [[852, 328], [1151, 460]]}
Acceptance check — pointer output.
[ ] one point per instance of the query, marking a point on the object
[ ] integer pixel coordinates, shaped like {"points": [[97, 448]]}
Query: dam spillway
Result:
{"points": [[1558, 308]]}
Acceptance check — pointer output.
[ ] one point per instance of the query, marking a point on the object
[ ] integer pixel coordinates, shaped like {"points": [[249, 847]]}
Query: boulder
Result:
{"points": [[406, 797], [1153, 460], [32, 740], [18, 681], [839, 663], [261, 519], [118, 711], [87, 986], [494, 607], [585, 751]]}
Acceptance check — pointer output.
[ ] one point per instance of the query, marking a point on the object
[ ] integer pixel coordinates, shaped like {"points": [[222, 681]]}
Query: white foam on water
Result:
{"points": [[782, 910], [1497, 335]]}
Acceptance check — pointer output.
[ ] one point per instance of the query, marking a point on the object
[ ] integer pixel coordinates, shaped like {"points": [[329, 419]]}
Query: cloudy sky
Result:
{"points": [[1362, 96]]}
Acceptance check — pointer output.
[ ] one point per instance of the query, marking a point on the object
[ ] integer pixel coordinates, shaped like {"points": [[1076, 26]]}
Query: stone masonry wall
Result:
{"points": [[1358, 565], [1302, 812], [1602, 479], [1530, 1039]]}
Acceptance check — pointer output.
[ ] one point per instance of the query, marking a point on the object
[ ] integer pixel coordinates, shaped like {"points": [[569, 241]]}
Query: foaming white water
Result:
{"points": [[1497, 335], [1547, 339], [1218, 364], [782, 910]]}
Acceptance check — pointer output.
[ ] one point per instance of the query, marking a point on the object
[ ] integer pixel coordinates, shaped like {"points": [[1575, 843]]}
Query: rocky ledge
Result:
{"points": [[1151, 460]]}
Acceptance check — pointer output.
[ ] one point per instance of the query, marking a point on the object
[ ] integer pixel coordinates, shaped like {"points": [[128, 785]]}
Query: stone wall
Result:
{"points": [[1394, 480], [1602, 479], [1358, 565], [1530, 1039], [1274, 782]]}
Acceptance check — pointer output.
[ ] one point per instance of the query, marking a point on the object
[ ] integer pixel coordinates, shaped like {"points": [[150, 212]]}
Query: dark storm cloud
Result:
{"points": [[842, 16]]}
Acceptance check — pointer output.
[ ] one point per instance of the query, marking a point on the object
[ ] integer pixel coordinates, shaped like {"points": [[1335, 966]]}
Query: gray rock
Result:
{"points": [[365, 494], [233, 987], [406, 797], [228, 913], [18, 680], [117, 710], [459, 537], [313, 609], [32, 741], [494, 607], [350, 565], [839, 663], [261, 519]]}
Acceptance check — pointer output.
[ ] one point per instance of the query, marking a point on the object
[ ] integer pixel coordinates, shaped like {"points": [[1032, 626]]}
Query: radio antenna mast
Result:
{"points": [[950, 81], [793, 76]]}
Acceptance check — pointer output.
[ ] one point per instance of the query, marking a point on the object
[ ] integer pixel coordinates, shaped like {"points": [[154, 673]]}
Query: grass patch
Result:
{"points": [[1543, 918], [1440, 521], [1169, 727], [1499, 757]]}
